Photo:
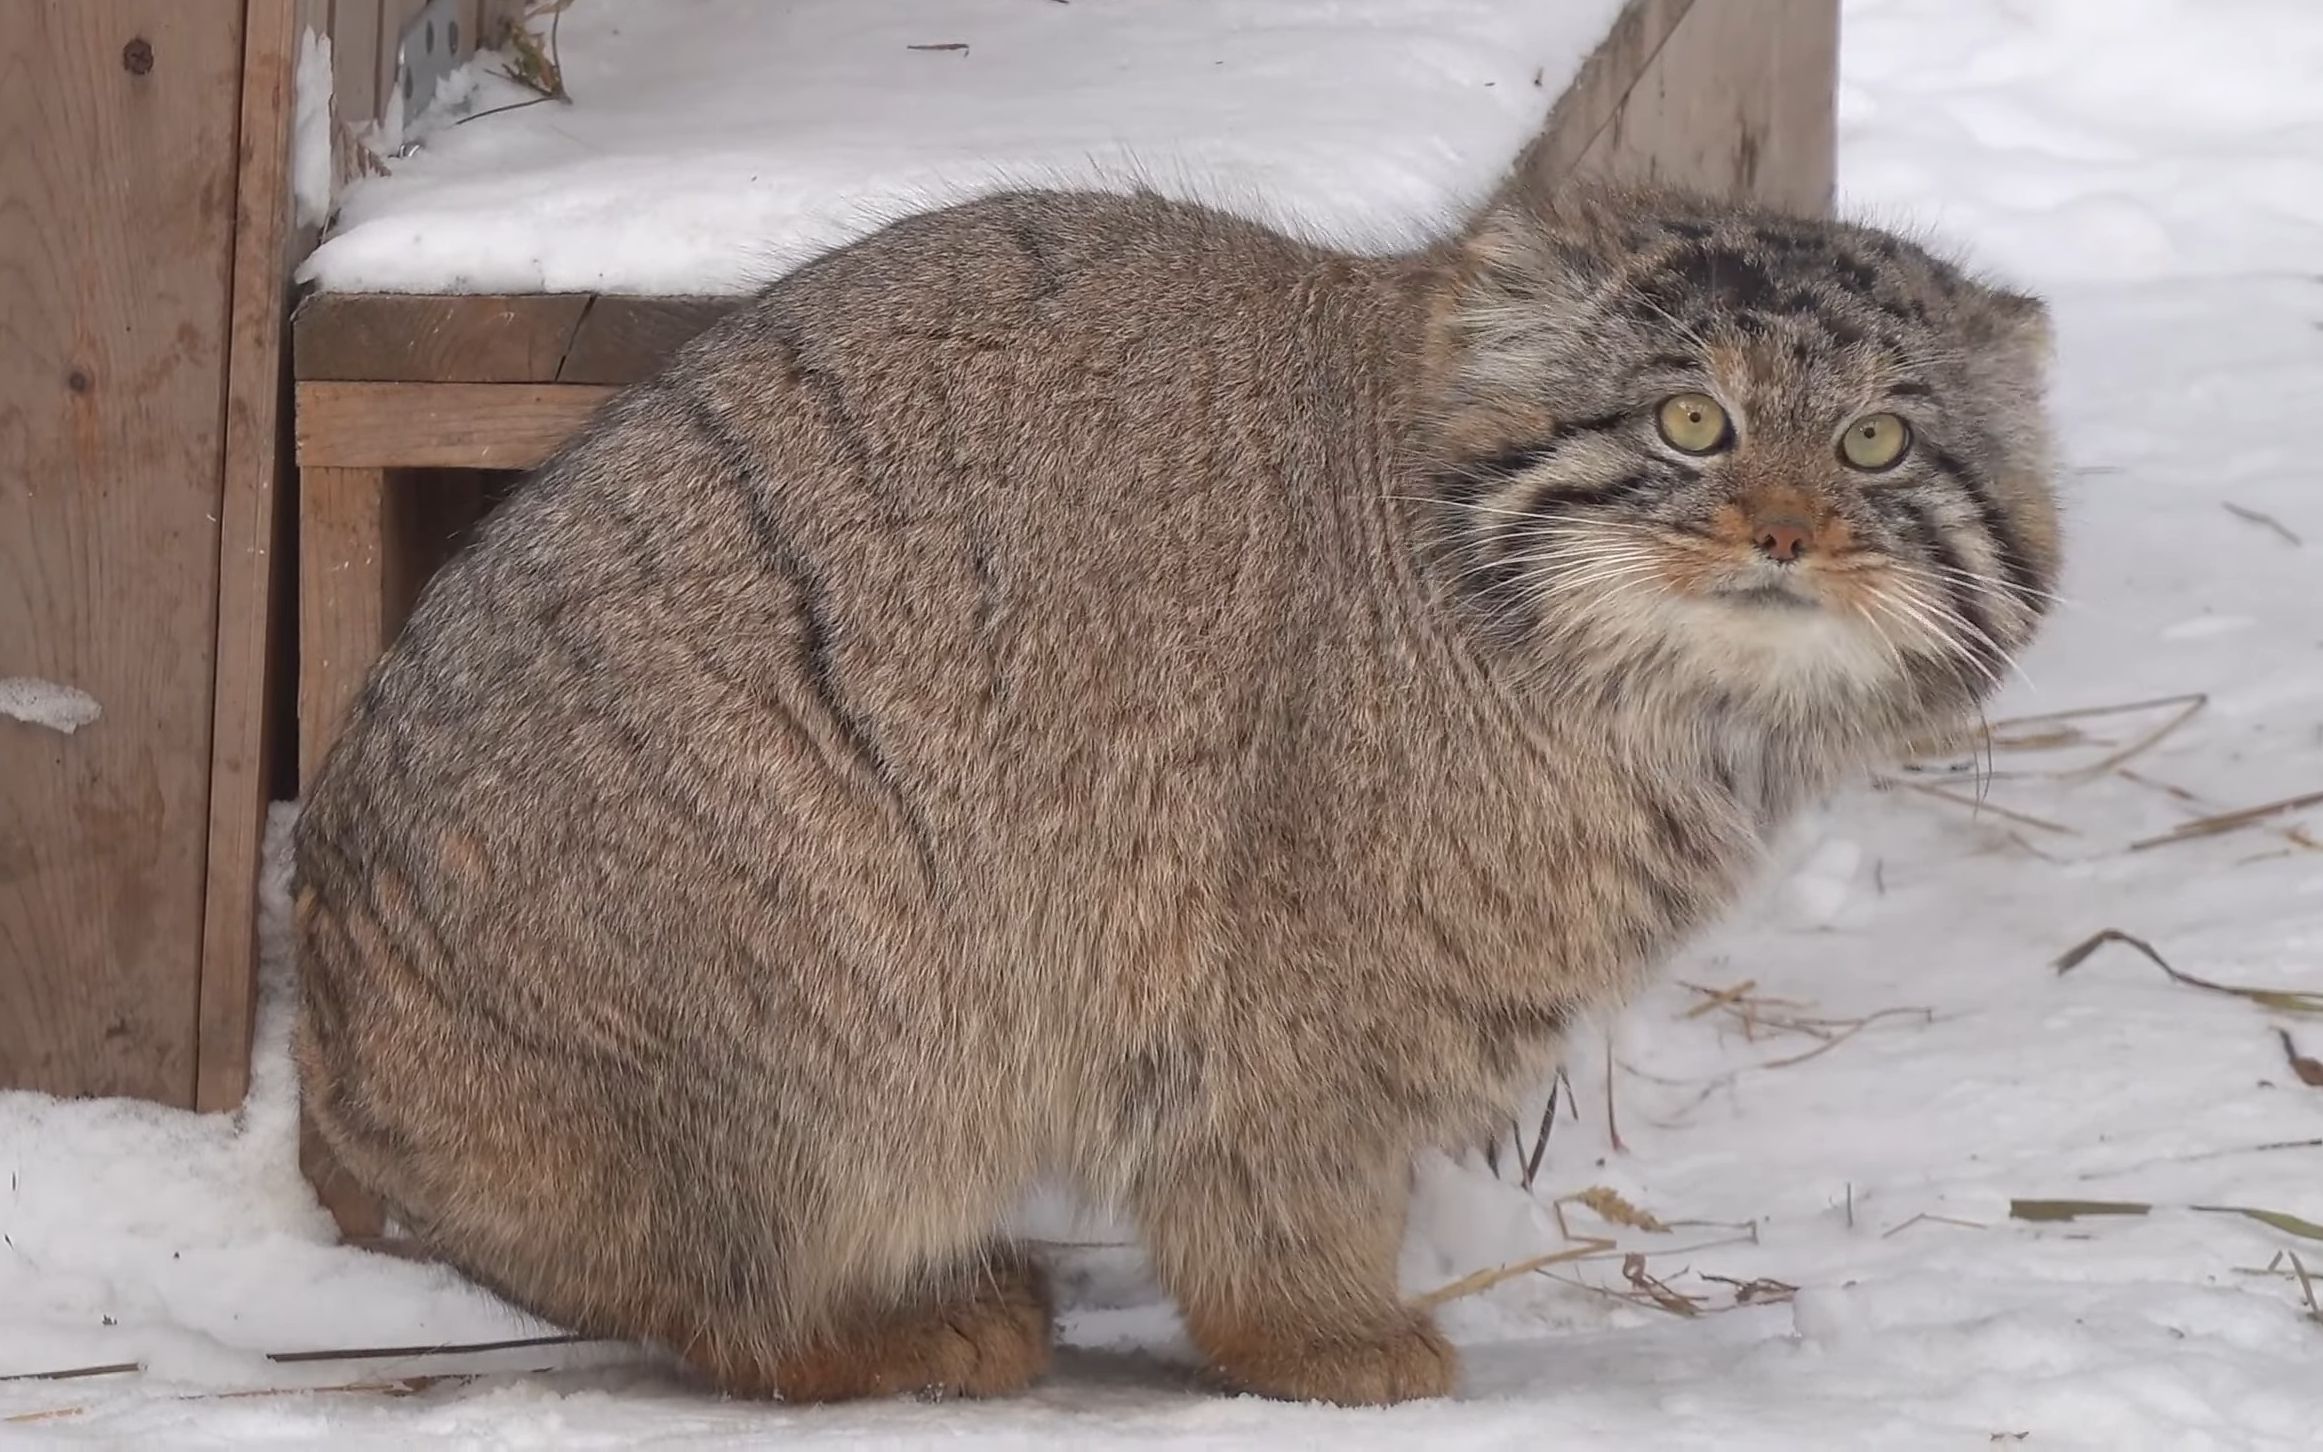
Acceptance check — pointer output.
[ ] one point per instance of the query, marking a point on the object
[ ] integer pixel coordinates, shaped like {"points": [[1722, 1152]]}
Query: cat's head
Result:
{"points": [[1797, 465]]}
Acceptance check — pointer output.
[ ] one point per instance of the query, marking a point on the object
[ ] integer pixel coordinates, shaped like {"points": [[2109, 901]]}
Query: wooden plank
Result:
{"points": [[624, 339], [1738, 101], [249, 566], [516, 338], [346, 518], [398, 338], [116, 248], [439, 425], [1603, 83], [356, 96], [369, 541]]}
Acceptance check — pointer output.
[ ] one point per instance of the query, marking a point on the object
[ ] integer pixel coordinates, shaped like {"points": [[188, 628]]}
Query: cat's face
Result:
{"points": [[1800, 463]]}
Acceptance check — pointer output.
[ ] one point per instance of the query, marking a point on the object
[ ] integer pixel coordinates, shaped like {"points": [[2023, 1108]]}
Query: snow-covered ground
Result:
{"points": [[1903, 1064]]}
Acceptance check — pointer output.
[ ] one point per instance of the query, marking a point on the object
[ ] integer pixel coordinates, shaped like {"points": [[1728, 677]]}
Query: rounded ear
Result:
{"points": [[2014, 325], [1529, 245], [1504, 253]]}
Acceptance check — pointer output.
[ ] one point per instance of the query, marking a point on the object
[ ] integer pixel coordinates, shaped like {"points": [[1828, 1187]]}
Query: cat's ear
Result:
{"points": [[2012, 330], [1529, 242], [2010, 341]]}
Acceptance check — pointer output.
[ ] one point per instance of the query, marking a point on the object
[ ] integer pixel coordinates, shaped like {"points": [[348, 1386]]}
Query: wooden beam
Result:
{"points": [[421, 338], [624, 339], [439, 425], [1603, 83], [249, 570], [1738, 101], [495, 338]]}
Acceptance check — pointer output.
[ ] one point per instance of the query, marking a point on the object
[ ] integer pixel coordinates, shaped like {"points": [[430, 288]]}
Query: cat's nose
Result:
{"points": [[1781, 540]]}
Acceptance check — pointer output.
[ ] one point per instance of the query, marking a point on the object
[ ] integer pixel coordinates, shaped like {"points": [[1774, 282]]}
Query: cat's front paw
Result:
{"points": [[1401, 1363]]}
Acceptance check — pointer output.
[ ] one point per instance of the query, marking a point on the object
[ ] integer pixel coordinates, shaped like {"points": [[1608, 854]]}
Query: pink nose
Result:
{"points": [[1783, 540]]}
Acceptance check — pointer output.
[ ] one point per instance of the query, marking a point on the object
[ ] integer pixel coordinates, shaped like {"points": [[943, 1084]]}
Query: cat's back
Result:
{"points": [[987, 498]]}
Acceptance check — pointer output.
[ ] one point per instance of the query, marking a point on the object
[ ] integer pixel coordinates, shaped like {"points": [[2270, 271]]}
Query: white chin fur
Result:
{"points": [[1775, 652]]}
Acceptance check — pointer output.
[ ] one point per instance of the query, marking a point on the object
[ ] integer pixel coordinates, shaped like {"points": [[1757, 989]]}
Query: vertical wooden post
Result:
{"points": [[1735, 102], [368, 540], [347, 529], [250, 519]]}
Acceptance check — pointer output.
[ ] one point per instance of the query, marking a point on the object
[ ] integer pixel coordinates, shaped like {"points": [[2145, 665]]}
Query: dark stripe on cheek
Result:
{"points": [[1470, 479], [1982, 643], [1551, 501], [2015, 565]]}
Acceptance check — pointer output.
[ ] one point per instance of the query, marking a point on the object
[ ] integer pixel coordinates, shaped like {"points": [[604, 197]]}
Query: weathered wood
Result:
{"points": [[495, 338], [624, 339], [356, 94], [399, 338], [116, 241], [344, 523], [439, 425], [250, 564], [1603, 83], [1737, 102], [369, 540]]}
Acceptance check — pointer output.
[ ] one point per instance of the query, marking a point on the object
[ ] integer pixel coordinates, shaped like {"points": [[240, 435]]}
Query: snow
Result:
{"points": [[713, 144], [2149, 166], [46, 703], [310, 131]]}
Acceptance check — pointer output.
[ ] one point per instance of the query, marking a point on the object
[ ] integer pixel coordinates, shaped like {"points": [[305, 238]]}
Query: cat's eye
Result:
{"points": [[1875, 441], [1694, 423]]}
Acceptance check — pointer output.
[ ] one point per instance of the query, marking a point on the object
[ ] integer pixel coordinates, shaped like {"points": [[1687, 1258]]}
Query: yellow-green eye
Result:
{"points": [[1693, 423], [1875, 441]]}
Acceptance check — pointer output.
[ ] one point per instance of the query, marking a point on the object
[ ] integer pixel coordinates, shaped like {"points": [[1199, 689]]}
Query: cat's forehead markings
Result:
{"points": [[1732, 278]]}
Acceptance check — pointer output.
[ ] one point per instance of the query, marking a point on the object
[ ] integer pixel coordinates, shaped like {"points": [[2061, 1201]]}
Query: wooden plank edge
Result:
{"points": [[623, 339], [1601, 87], [250, 498], [1739, 101], [353, 425], [372, 337]]}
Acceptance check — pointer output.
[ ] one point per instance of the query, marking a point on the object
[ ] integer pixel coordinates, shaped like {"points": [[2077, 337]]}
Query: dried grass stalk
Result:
{"points": [[2228, 821], [2282, 1000]]}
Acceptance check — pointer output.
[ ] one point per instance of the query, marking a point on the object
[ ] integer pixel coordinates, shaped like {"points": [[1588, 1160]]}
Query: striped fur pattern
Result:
{"points": [[1085, 686], [1604, 558]]}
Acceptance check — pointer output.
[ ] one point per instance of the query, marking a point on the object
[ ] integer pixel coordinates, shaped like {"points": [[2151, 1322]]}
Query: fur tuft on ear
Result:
{"points": [[2013, 326], [2012, 336]]}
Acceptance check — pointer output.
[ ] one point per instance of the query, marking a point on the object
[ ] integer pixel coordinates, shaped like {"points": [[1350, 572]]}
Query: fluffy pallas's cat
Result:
{"points": [[1083, 685]]}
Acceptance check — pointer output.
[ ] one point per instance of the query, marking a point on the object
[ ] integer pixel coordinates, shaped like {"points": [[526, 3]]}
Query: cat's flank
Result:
{"points": [[1081, 685]]}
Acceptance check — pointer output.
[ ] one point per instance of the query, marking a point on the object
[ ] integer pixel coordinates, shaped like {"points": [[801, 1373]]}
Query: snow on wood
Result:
{"points": [[710, 146], [46, 703], [310, 136]]}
